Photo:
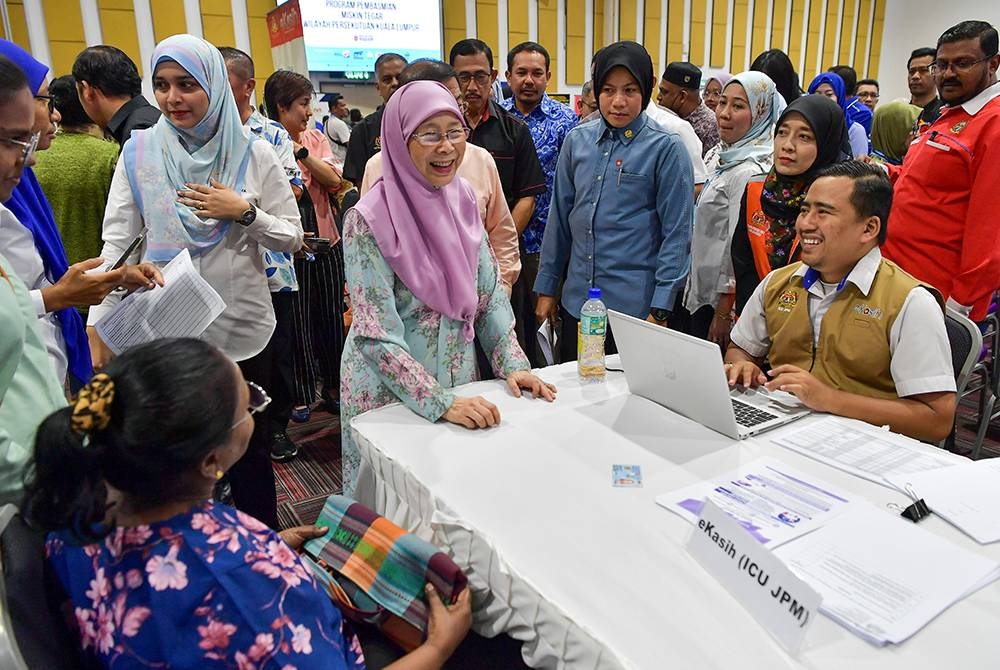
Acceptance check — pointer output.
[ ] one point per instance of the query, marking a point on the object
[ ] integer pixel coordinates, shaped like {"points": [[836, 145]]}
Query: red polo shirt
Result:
{"points": [[944, 227]]}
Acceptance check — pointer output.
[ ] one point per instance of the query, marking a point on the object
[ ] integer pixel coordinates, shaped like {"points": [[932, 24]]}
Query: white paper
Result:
{"points": [[966, 495], [773, 502], [547, 340], [863, 451], [183, 307], [883, 577], [777, 599]]}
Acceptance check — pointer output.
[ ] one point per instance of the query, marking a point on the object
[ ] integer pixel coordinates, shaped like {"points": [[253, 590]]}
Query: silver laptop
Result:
{"points": [[686, 375]]}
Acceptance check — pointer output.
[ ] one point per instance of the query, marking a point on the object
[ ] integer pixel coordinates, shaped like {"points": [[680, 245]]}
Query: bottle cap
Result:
{"points": [[594, 293]]}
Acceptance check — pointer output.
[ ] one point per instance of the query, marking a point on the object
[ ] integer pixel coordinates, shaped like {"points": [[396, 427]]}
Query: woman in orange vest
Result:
{"points": [[809, 135]]}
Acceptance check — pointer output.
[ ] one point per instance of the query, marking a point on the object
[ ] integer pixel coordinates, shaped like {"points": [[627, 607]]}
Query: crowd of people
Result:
{"points": [[816, 236]]}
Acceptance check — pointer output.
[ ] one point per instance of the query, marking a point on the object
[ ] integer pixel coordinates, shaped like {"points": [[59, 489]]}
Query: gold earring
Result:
{"points": [[218, 474]]}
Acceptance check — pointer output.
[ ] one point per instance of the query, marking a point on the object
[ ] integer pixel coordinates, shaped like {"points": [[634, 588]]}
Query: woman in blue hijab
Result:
{"points": [[832, 86], [199, 182], [35, 250]]}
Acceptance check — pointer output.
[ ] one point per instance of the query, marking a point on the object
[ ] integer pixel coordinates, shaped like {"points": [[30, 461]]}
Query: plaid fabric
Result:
{"points": [[390, 565]]}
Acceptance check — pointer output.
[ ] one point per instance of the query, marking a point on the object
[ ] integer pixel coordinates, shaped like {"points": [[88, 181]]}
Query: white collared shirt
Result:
{"points": [[18, 245], [976, 105], [918, 342], [233, 267], [692, 144]]}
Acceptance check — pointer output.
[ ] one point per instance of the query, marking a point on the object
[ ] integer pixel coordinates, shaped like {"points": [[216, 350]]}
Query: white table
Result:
{"points": [[592, 576]]}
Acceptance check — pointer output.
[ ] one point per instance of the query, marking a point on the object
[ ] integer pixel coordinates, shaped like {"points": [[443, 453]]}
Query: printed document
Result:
{"points": [[884, 577], [965, 495], [862, 450], [183, 307], [772, 501]]}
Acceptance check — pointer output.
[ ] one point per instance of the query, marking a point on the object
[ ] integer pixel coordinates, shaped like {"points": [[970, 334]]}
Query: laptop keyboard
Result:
{"points": [[748, 415]]}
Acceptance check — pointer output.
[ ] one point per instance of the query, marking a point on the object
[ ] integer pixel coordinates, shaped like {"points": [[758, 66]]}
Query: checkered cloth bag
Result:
{"points": [[375, 570]]}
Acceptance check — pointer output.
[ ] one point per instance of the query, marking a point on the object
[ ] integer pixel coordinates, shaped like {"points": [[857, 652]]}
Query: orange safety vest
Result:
{"points": [[758, 225]]}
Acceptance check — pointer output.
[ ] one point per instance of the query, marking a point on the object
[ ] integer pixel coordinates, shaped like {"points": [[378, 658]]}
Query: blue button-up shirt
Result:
{"points": [[549, 123], [622, 214]]}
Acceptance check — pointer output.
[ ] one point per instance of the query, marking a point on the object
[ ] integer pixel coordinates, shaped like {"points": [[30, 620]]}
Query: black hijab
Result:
{"points": [[783, 194], [633, 57]]}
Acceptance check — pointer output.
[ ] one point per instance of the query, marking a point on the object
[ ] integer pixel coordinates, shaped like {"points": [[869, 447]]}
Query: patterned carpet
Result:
{"points": [[304, 482]]}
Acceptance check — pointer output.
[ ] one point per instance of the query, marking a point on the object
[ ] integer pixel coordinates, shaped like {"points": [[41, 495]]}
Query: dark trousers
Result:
{"points": [[318, 324], [252, 477], [282, 350], [569, 331], [522, 301]]}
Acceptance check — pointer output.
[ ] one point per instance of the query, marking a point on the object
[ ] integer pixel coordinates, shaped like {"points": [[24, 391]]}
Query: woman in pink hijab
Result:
{"points": [[422, 280]]}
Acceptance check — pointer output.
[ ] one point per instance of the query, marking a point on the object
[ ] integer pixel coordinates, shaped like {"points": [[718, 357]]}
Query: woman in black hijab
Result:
{"points": [[809, 135], [776, 64]]}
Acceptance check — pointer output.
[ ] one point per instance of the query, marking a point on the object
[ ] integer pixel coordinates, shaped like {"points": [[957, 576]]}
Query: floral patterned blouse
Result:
{"points": [[399, 349], [210, 588]]}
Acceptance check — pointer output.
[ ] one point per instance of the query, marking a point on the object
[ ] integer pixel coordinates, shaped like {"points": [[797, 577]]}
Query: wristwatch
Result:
{"points": [[248, 217], [660, 315], [302, 154]]}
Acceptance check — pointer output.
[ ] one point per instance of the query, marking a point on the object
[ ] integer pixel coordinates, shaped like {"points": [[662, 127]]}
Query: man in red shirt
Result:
{"points": [[943, 227]]}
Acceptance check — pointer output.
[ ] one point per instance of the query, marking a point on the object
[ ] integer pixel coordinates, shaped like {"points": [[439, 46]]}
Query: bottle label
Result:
{"points": [[593, 325]]}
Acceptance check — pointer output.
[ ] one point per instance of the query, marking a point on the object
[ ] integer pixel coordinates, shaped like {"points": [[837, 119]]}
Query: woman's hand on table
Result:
{"points": [[216, 201], [524, 380], [474, 412]]}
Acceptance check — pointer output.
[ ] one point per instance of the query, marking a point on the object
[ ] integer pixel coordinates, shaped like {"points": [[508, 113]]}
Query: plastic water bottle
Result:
{"points": [[590, 342]]}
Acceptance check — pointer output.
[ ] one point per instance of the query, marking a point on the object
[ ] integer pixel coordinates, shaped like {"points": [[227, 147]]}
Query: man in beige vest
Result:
{"points": [[845, 330]]}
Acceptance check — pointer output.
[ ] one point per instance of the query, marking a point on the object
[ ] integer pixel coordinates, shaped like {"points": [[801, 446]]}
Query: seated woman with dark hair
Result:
{"points": [[163, 576]]}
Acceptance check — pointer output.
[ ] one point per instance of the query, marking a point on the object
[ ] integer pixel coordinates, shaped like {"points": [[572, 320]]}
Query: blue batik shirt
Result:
{"points": [[278, 265], [549, 123], [621, 217]]}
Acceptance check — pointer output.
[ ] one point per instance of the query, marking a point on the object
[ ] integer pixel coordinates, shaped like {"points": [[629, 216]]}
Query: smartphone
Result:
{"points": [[318, 244]]}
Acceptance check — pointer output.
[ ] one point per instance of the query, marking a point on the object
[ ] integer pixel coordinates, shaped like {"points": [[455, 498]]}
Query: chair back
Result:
{"points": [[966, 342], [33, 632]]}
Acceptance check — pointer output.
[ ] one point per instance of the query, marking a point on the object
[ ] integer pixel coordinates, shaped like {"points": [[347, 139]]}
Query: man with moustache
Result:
{"points": [[920, 81], [549, 121], [366, 137], [943, 225]]}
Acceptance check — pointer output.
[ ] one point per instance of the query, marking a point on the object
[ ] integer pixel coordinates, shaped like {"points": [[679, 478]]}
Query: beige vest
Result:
{"points": [[852, 351]]}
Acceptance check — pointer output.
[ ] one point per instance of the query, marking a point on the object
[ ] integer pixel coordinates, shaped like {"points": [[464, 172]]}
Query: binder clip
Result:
{"points": [[915, 511]]}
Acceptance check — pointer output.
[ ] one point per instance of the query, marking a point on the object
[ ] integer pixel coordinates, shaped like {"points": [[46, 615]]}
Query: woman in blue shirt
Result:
{"points": [[622, 210], [163, 576]]}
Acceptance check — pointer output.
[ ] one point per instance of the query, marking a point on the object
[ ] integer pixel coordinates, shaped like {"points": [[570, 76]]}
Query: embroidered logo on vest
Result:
{"points": [[959, 127], [378, 143], [787, 300], [758, 221], [867, 310]]}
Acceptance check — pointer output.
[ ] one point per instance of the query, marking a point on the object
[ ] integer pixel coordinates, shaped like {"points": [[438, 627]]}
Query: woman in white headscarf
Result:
{"points": [[198, 181], [747, 109]]}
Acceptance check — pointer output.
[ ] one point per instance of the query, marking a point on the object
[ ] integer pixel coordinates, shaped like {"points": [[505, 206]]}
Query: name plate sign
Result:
{"points": [[781, 602]]}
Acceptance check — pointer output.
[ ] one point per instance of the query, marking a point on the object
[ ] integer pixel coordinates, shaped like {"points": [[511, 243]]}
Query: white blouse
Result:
{"points": [[233, 267]]}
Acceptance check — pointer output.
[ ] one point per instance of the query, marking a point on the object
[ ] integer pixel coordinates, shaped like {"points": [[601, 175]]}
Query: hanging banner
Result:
{"points": [[284, 28]]}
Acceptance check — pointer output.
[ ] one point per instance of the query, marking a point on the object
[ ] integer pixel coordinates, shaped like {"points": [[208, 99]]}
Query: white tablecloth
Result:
{"points": [[592, 576]]}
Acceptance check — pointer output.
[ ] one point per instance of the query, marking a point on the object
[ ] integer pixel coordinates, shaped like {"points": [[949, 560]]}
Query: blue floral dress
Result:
{"points": [[210, 588], [399, 349]]}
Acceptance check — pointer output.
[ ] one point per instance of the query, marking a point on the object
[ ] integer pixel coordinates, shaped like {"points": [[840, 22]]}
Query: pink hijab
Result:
{"points": [[430, 237]]}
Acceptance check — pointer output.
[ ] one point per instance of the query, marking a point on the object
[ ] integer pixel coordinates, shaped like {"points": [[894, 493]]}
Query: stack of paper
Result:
{"points": [[774, 502], [881, 576], [183, 307], [862, 450], [966, 495]]}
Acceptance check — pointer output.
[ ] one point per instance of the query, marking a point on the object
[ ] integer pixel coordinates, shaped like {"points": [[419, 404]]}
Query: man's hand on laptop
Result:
{"points": [[745, 373], [813, 393]]}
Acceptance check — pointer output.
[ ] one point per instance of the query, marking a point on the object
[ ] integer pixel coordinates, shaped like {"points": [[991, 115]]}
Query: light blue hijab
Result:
{"points": [[766, 105], [161, 159]]}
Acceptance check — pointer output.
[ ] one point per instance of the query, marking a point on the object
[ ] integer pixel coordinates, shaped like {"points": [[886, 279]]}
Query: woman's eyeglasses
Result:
{"points": [[27, 146], [259, 400], [49, 101], [434, 137]]}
